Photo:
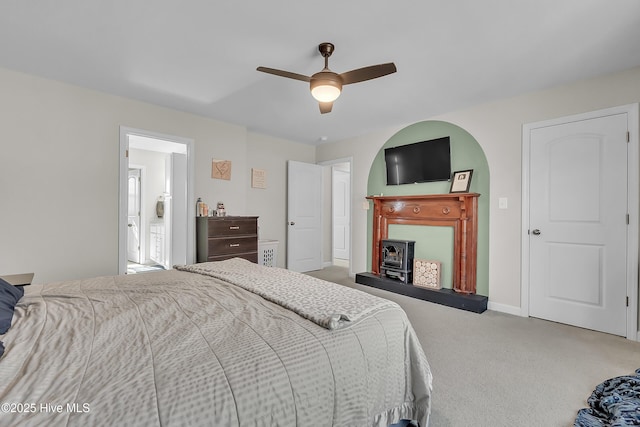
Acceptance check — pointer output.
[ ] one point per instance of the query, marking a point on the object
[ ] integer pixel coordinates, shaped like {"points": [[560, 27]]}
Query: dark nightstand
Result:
{"points": [[18, 279]]}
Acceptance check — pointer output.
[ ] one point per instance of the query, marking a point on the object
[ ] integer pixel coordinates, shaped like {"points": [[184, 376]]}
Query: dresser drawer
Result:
{"points": [[232, 227], [232, 245], [249, 256]]}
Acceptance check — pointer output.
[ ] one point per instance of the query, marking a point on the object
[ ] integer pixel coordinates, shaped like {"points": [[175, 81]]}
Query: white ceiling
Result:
{"points": [[200, 56]]}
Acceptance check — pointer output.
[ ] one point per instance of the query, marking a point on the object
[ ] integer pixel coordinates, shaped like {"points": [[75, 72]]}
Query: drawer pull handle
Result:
{"points": [[234, 245], [234, 227]]}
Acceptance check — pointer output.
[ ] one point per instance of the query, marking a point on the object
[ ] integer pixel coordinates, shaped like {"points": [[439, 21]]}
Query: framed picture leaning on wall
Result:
{"points": [[461, 181]]}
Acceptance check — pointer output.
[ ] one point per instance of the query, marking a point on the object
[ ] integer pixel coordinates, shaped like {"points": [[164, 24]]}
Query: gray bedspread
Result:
{"points": [[178, 348], [328, 304]]}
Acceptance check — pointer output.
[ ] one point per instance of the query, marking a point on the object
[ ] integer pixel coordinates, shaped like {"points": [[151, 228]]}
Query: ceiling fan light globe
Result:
{"points": [[325, 86], [325, 93]]}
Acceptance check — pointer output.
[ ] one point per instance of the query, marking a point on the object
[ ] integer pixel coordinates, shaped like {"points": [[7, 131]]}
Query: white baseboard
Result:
{"points": [[516, 311], [504, 308]]}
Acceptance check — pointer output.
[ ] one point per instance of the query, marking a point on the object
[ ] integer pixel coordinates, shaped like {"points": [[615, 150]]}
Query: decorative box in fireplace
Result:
{"points": [[397, 259]]}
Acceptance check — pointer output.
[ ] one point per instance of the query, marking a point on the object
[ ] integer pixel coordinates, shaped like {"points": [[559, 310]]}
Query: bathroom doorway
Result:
{"points": [[165, 196]]}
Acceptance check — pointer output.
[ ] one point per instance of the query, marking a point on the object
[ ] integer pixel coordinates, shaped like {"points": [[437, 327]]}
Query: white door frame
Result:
{"points": [[123, 192], [350, 161], [633, 199]]}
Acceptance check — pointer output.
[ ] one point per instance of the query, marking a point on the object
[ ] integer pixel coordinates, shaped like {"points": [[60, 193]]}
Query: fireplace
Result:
{"points": [[397, 259], [457, 210]]}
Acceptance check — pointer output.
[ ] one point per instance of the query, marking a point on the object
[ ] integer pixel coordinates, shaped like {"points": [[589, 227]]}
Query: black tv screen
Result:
{"points": [[423, 161]]}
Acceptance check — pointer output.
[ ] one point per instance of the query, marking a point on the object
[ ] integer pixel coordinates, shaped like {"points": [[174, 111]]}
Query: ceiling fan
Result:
{"points": [[327, 85]]}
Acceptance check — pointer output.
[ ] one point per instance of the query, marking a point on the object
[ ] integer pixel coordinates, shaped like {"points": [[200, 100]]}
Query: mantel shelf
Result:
{"points": [[457, 210]]}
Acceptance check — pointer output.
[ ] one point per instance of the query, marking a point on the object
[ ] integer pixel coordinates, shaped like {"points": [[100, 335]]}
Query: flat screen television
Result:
{"points": [[423, 161]]}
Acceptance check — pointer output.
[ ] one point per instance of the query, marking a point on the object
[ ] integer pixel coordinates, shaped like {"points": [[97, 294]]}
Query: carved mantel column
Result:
{"points": [[457, 210]]}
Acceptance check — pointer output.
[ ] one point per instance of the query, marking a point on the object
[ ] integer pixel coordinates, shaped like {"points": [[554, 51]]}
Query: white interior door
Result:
{"points": [[133, 216], [341, 212], [578, 223], [176, 232], [304, 232]]}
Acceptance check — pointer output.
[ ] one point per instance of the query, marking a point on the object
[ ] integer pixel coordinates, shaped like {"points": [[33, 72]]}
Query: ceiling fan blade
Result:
{"points": [[325, 107], [287, 74], [368, 73]]}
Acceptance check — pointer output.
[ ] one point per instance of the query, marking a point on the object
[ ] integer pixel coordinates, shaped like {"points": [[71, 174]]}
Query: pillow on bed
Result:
{"points": [[9, 297]]}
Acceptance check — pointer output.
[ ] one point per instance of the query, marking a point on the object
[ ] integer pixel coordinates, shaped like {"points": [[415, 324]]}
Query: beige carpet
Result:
{"points": [[494, 369]]}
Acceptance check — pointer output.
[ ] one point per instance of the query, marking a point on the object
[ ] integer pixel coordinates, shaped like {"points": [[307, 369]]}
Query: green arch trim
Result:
{"points": [[436, 243]]}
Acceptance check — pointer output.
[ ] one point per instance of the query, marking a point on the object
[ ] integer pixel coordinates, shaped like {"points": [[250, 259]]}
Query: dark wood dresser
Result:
{"points": [[223, 237]]}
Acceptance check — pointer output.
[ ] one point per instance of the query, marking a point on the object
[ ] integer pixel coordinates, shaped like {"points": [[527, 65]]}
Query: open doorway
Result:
{"points": [[337, 213], [156, 198], [341, 213]]}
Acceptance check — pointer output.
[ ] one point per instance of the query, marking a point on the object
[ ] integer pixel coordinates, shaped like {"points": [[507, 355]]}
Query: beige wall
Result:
{"points": [[59, 173], [497, 127], [270, 204]]}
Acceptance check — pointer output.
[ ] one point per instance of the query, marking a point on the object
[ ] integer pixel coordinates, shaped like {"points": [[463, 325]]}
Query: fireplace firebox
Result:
{"points": [[397, 259]]}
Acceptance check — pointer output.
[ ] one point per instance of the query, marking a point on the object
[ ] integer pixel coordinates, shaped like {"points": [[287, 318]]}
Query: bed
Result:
{"points": [[227, 343]]}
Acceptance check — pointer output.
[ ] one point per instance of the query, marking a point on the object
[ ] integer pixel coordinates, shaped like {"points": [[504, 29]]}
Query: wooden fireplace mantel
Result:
{"points": [[457, 210]]}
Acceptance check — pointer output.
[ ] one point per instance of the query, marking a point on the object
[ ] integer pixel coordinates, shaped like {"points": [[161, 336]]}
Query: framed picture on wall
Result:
{"points": [[461, 181], [221, 169]]}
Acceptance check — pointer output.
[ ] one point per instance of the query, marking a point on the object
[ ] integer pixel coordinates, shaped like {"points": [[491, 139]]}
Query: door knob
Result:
{"points": [[129, 225], [292, 223], [536, 232]]}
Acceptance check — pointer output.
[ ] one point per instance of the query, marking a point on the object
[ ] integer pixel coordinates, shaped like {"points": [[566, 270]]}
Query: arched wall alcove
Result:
{"points": [[436, 243]]}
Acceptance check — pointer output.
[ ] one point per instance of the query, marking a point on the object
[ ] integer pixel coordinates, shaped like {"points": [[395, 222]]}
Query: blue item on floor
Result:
{"points": [[614, 403]]}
